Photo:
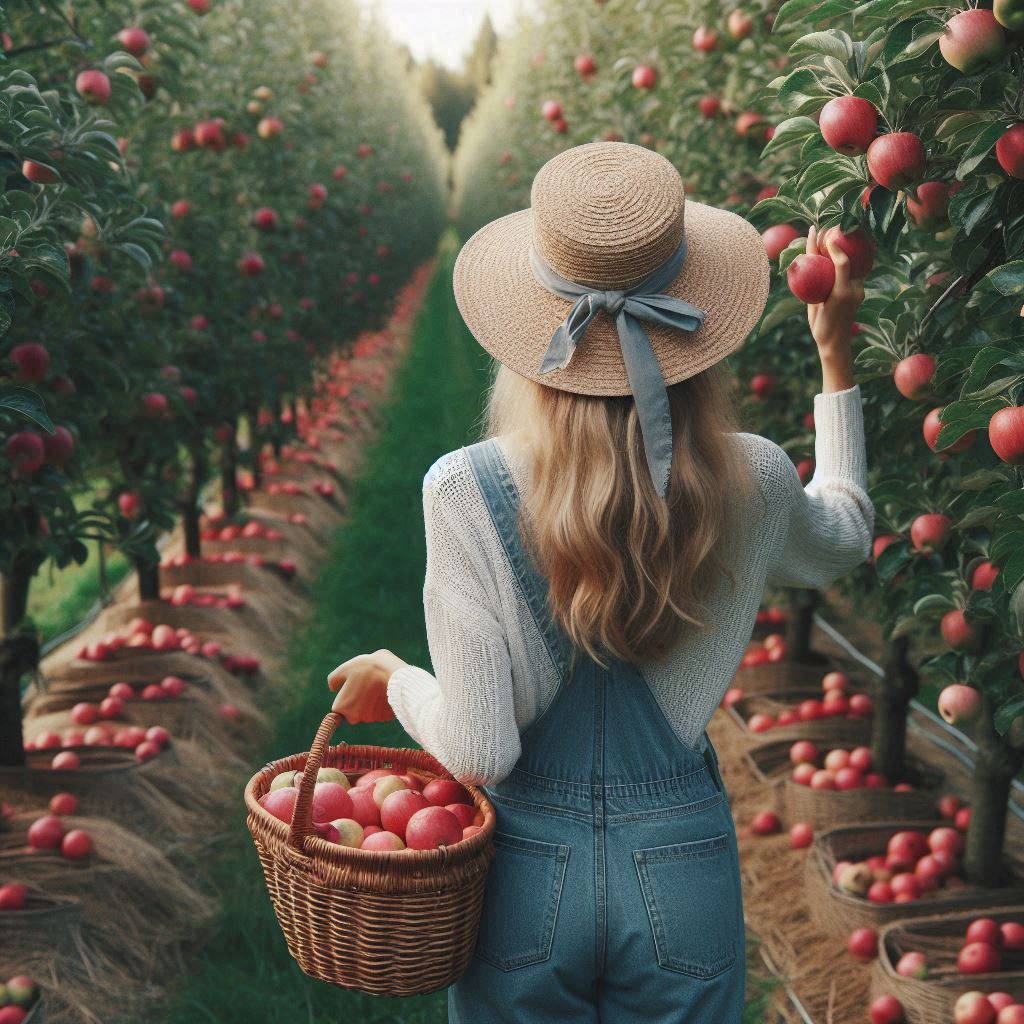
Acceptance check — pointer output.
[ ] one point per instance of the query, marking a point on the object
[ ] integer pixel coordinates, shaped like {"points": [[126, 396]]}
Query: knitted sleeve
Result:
{"points": [[825, 528], [463, 714]]}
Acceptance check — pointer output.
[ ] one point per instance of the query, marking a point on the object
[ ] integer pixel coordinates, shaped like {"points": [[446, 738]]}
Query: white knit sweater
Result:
{"points": [[492, 676]]}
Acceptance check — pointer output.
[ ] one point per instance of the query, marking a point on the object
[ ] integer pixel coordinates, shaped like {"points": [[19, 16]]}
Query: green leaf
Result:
{"points": [[1009, 278], [27, 403], [786, 307], [1006, 714], [933, 601], [832, 44], [979, 149]]}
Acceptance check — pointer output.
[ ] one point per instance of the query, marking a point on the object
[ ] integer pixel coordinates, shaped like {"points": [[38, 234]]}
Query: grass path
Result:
{"points": [[369, 595]]}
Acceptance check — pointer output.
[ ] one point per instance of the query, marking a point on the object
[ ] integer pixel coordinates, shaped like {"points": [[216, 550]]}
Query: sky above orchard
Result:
{"points": [[444, 29]]}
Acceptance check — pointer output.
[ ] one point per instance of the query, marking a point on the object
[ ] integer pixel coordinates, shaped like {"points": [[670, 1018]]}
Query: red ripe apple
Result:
{"points": [[63, 803], [913, 376], [1012, 1013], [849, 778], [809, 710], [13, 896], [584, 64], [708, 107], [551, 110], [848, 124], [281, 803], [905, 882], [1000, 1000], [760, 722], [66, 761], [949, 804], [732, 695], [946, 838], [929, 532], [983, 576], [1010, 150], [269, 127], [906, 847], [399, 807], [801, 835], [46, 833], [896, 159], [880, 891], [811, 278], [958, 633], [644, 77], [858, 245], [26, 450], [382, 841], [984, 930], [135, 40], [1006, 433], [835, 681], [931, 427], [111, 707], [803, 773], [181, 208], [705, 39], [860, 757], [765, 823], [1012, 936], [93, 86], [777, 237], [739, 24], [863, 944], [836, 759], [931, 205], [762, 385], [978, 958], [432, 828], [973, 1008], [471, 830], [31, 360], [84, 713], [959, 704], [265, 219], [823, 779], [59, 446], [77, 844], [251, 264], [972, 39], [803, 751], [912, 965], [466, 813], [364, 807], [886, 1009], [929, 871], [159, 735], [446, 791]]}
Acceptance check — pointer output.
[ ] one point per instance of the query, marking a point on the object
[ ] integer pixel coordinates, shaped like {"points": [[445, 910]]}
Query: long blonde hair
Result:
{"points": [[627, 572]]}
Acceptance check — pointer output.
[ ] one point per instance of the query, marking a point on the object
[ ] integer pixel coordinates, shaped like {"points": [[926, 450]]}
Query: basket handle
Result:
{"points": [[302, 816]]}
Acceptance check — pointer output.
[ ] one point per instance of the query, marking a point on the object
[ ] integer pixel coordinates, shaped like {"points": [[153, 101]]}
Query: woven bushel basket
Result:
{"points": [[392, 923], [780, 675], [941, 938], [826, 808], [829, 728], [839, 912]]}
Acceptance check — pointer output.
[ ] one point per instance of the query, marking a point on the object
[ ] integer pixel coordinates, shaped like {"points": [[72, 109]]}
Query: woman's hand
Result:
{"points": [[831, 321], [362, 686]]}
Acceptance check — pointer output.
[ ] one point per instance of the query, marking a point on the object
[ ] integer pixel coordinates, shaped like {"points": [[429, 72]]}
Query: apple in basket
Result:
{"points": [[399, 807], [387, 841], [383, 788], [364, 807], [432, 828], [446, 791], [331, 801]]}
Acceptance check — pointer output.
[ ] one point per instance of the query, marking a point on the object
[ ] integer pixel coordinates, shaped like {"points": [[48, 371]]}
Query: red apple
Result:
{"points": [[912, 965], [31, 360], [1013, 936], [386, 841], [886, 1009], [644, 77], [931, 427], [811, 278], [848, 124], [93, 86], [959, 704], [978, 958], [584, 64], [801, 835], [858, 245], [709, 106], [399, 807], [281, 803], [551, 110], [973, 1008], [958, 633], [77, 844], [766, 823], [803, 751], [135, 40], [863, 944], [432, 828], [13, 896], [1013, 1013], [972, 39], [896, 159], [1006, 433], [46, 833], [705, 39], [913, 376], [777, 237], [1010, 149], [985, 930], [929, 532], [63, 803], [364, 807], [931, 205]]}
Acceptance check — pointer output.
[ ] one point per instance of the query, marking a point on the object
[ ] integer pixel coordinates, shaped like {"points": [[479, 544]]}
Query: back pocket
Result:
{"points": [[521, 898], [691, 891]]}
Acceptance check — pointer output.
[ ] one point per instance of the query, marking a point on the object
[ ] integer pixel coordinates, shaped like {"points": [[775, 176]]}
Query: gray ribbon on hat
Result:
{"points": [[641, 302]]}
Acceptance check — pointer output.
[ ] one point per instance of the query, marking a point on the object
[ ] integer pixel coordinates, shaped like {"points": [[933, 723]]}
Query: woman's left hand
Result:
{"points": [[362, 686]]}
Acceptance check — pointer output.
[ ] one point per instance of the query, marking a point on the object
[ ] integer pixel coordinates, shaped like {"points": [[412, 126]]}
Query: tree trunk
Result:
{"points": [[255, 447], [229, 476], [149, 580], [994, 769], [892, 702], [19, 653], [801, 625], [190, 506]]}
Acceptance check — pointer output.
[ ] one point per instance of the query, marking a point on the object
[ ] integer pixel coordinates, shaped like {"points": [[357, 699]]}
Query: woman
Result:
{"points": [[594, 568]]}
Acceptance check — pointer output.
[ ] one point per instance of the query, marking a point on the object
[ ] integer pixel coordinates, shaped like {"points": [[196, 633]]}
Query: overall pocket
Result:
{"points": [[693, 903], [521, 898]]}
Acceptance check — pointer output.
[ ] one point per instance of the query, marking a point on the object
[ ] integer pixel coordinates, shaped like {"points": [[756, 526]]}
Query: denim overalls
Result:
{"points": [[614, 894]]}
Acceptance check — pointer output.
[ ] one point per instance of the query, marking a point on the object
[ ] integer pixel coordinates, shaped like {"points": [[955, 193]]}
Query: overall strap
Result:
{"points": [[502, 499]]}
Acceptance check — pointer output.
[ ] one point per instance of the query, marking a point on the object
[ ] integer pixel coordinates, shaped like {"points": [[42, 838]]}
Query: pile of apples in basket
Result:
{"points": [[380, 810]]}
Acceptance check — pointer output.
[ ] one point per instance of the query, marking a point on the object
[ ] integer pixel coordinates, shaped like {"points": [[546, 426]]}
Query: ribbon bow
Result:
{"points": [[641, 302]]}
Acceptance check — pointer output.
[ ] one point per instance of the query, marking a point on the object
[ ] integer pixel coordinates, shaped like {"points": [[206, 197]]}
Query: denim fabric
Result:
{"points": [[614, 894]]}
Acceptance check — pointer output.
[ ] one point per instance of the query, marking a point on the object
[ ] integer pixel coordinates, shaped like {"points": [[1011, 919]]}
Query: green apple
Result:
{"points": [[350, 832], [1009, 14], [333, 775], [283, 780]]}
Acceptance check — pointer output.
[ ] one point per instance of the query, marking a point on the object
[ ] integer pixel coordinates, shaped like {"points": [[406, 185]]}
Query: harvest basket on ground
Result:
{"points": [[838, 912], [779, 675], [940, 938], [826, 808], [836, 728], [386, 923], [49, 925]]}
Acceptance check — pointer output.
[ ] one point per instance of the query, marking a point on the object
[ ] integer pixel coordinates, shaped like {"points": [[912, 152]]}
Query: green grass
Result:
{"points": [[369, 595]]}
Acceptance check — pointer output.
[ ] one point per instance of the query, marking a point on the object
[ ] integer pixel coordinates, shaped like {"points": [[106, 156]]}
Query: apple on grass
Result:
{"points": [[863, 944], [887, 1009]]}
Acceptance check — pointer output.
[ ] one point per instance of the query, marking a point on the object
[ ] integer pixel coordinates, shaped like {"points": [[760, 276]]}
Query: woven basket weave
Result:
{"points": [[386, 923], [940, 938], [833, 728], [827, 808], [839, 913], [780, 675]]}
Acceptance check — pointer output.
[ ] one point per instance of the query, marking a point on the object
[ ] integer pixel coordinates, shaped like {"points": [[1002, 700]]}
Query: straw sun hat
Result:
{"points": [[544, 287]]}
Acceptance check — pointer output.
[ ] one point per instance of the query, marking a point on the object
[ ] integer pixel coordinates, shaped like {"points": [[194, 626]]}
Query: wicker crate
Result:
{"points": [[834, 728]]}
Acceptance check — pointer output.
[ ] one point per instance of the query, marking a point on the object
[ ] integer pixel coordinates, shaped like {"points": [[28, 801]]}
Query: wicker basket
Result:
{"points": [[385, 923], [48, 926], [780, 675], [826, 808], [833, 728], [839, 913], [940, 939]]}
